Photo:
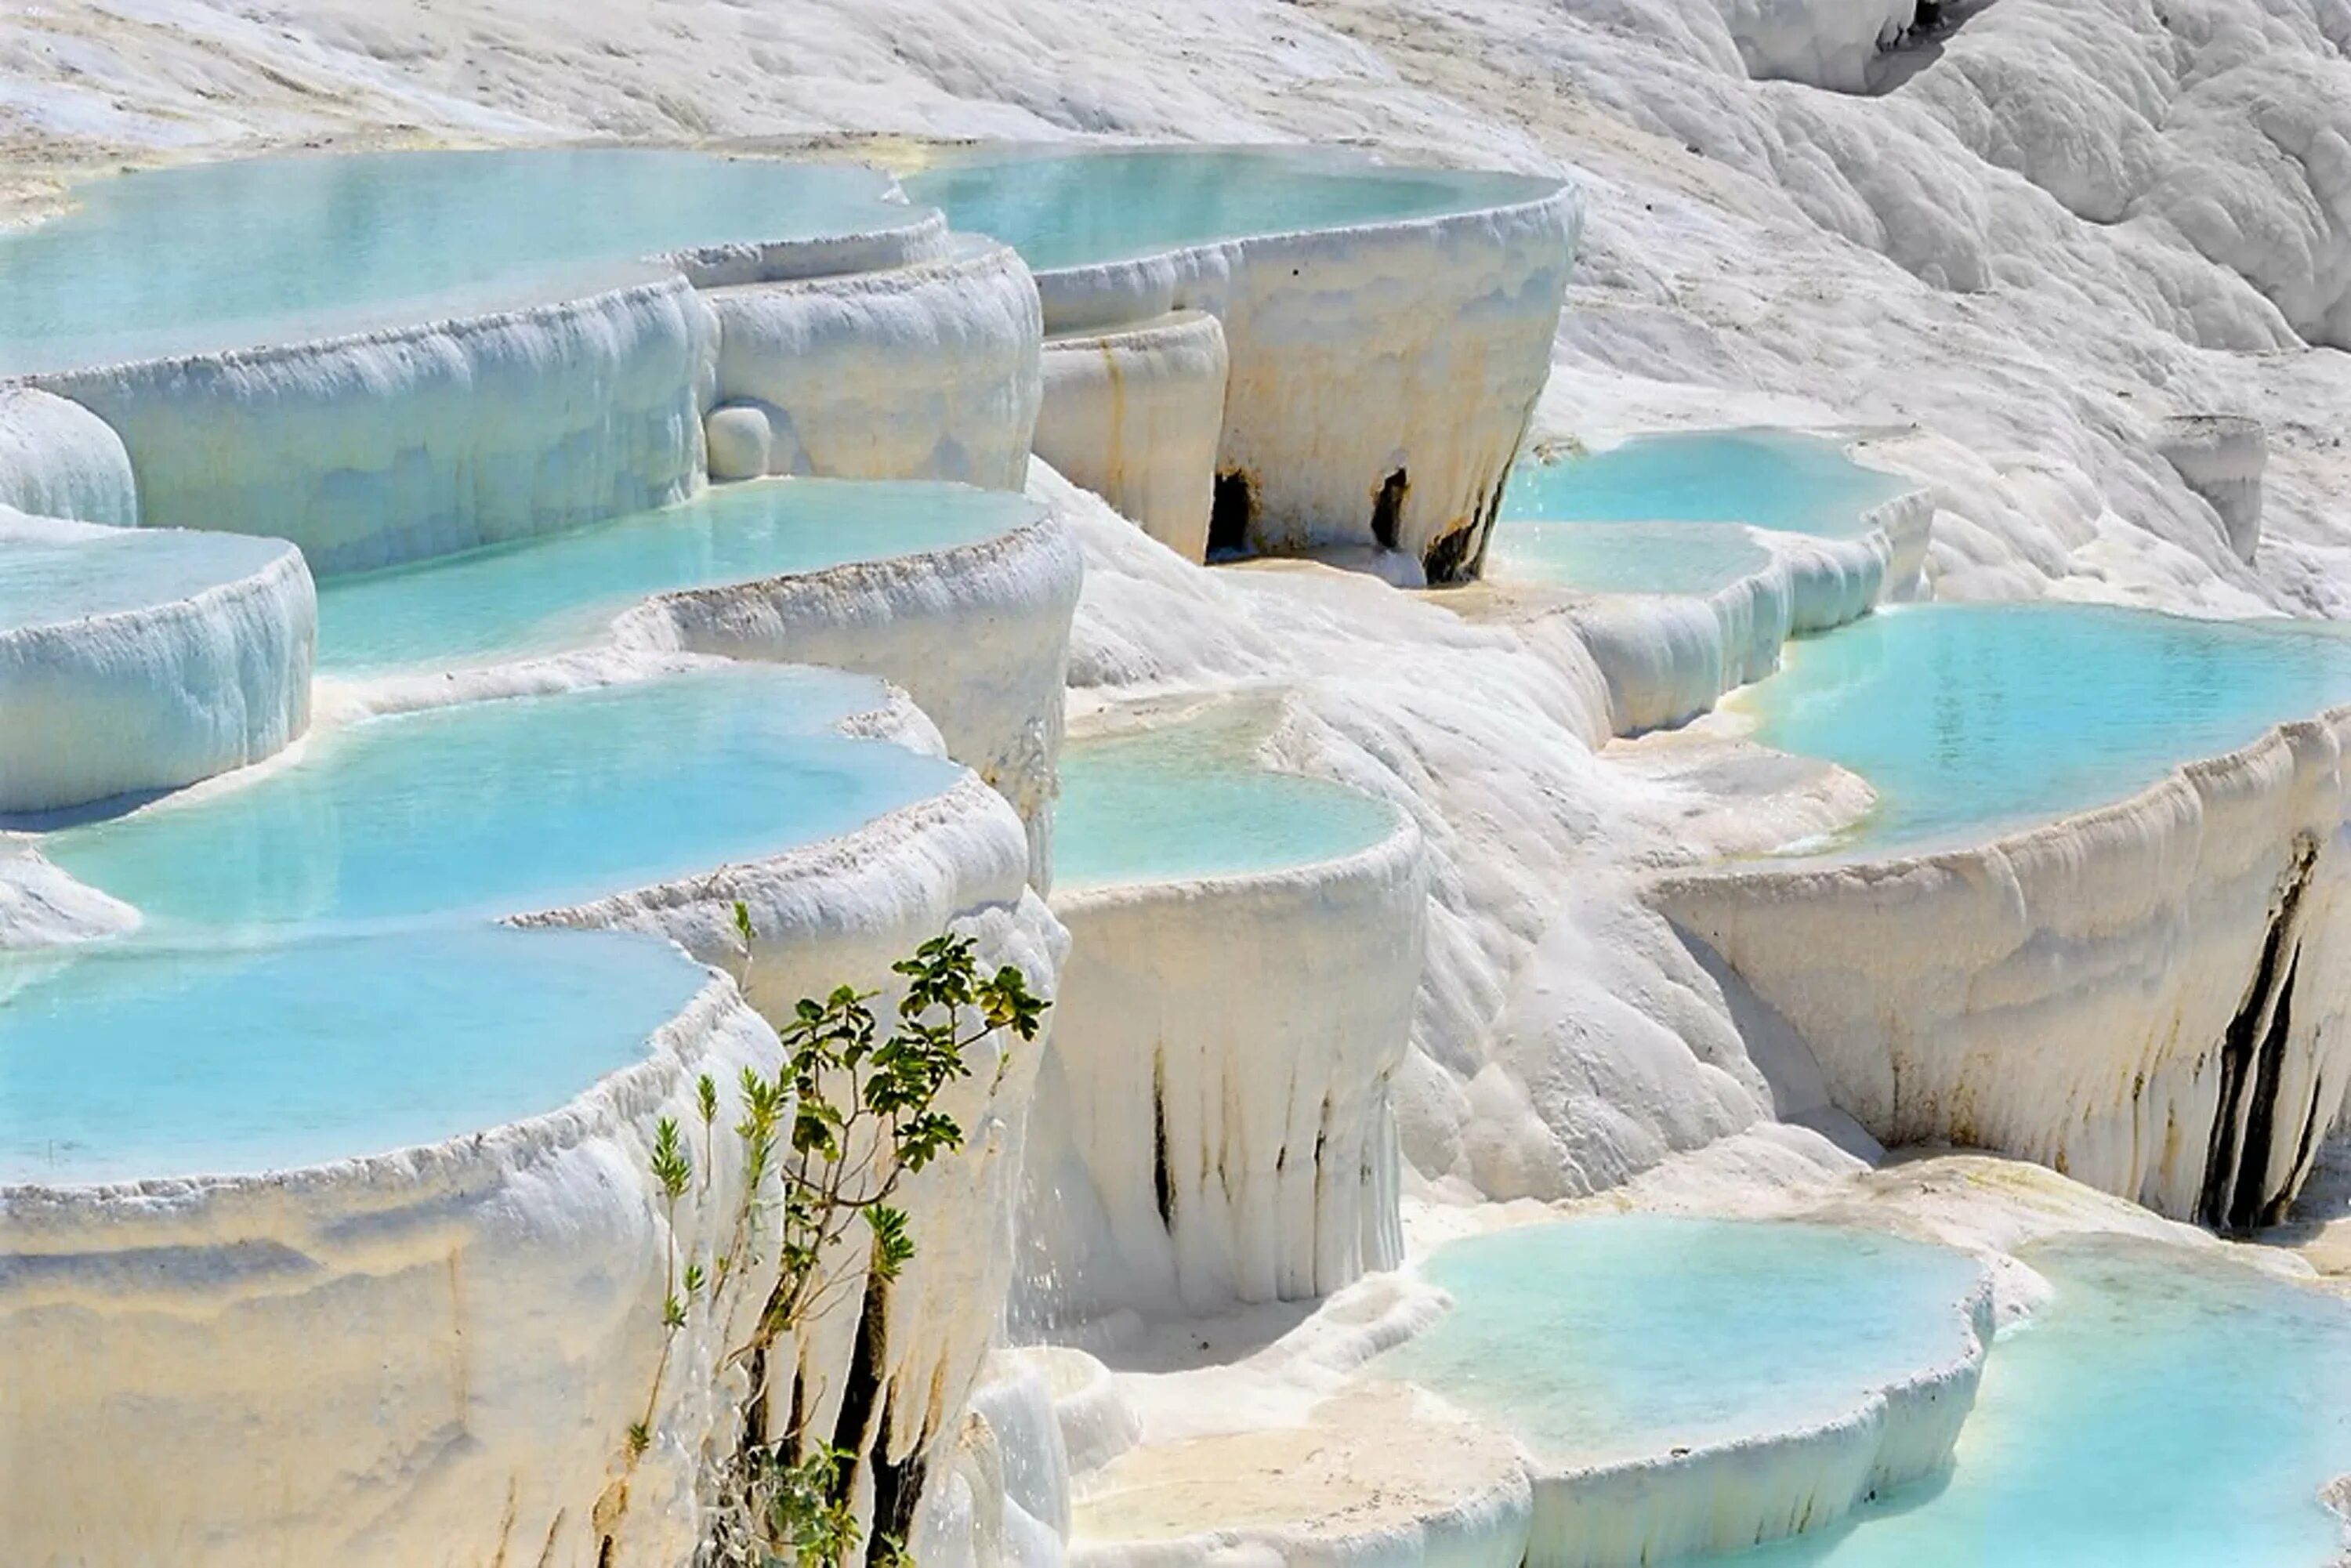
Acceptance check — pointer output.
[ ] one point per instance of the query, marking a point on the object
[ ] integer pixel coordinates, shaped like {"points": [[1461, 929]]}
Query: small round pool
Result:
{"points": [[1782, 480], [1190, 799]]}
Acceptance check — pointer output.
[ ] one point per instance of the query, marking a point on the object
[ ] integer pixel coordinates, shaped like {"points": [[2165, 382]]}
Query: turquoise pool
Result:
{"points": [[1972, 718], [104, 573], [1775, 479], [233, 255], [1062, 207], [498, 807], [1187, 800], [1615, 1338], [559, 590], [148, 1061], [1626, 558], [2165, 1410]]}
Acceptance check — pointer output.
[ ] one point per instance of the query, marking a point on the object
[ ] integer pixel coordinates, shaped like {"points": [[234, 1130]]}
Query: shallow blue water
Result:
{"points": [[141, 1061], [1626, 558], [561, 589], [1070, 208], [2163, 1411], [1188, 800], [1776, 479], [130, 570], [1613, 1338], [271, 250], [500, 807], [1969, 719]]}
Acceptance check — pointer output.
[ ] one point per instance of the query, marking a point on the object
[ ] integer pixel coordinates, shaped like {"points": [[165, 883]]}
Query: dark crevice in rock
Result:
{"points": [[2252, 1052], [1163, 1183], [2261, 1118], [1230, 513], [860, 1396], [1447, 557], [1387, 508]]}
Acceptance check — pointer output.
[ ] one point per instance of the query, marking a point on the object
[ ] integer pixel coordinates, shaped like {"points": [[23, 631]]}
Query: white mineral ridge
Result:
{"points": [[209, 675], [1134, 414], [411, 442], [922, 371], [1216, 1126], [60, 460]]}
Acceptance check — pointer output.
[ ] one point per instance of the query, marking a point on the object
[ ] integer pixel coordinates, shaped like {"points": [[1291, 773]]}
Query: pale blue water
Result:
{"points": [[1967, 718], [272, 250], [1776, 479], [41, 584], [500, 807], [1613, 1338], [1186, 800], [141, 1061], [2163, 1411], [562, 588], [1062, 208], [1626, 558]]}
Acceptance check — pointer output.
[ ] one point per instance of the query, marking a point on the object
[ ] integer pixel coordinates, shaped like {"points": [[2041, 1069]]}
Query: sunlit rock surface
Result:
{"points": [[135, 661], [1134, 413]]}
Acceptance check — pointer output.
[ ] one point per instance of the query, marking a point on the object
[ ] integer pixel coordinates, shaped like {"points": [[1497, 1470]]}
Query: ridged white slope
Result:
{"points": [[1134, 414], [2153, 998], [925, 370], [211, 674], [1217, 1128], [393, 445], [1380, 376], [60, 460]]}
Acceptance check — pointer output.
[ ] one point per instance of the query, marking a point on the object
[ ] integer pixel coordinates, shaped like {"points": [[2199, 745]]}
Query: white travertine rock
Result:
{"points": [[980, 634], [922, 237], [1380, 376], [208, 672], [2151, 997], [1668, 658], [926, 371], [741, 439], [1134, 414], [479, 1319], [1224, 1047], [1821, 42], [397, 444], [60, 460], [2221, 457]]}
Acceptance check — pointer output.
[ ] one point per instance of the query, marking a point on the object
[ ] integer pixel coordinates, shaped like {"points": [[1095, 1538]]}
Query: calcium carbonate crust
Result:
{"points": [[1224, 1046], [154, 696], [926, 370], [1135, 414], [1381, 375], [923, 238], [60, 460], [387, 447], [1464, 1493], [1668, 658], [978, 634], [2150, 998], [510, 1279]]}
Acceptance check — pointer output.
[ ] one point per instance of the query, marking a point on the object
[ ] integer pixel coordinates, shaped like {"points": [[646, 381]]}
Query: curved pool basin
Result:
{"points": [[1782, 480], [73, 571], [1626, 558], [2165, 1410], [214, 256], [1189, 800], [148, 1061], [1971, 718], [1619, 1339], [506, 807], [540, 594], [1063, 207]]}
